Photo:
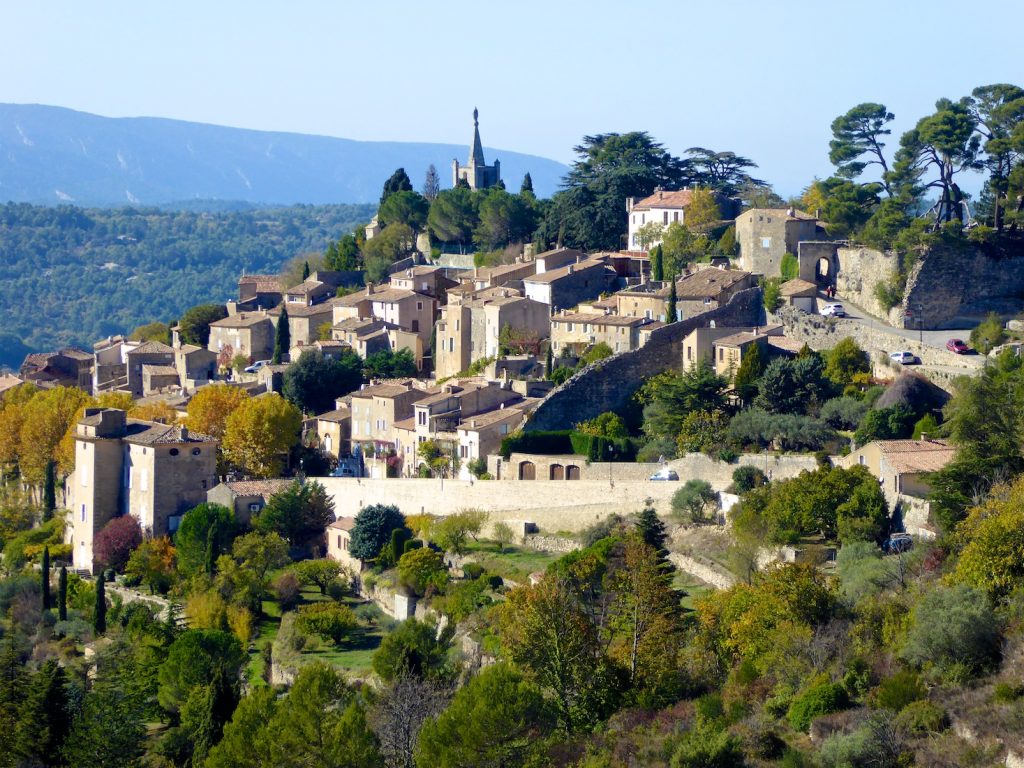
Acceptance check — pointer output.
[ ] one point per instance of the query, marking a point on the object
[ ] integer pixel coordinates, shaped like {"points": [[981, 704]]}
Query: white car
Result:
{"points": [[903, 358], [665, 474], [254, 368], [833, 310]]}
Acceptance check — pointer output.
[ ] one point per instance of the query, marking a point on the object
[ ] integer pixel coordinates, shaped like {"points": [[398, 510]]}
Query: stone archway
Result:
{"points": [[527, 470], [824, 271], [572, 472], [557, 472]]}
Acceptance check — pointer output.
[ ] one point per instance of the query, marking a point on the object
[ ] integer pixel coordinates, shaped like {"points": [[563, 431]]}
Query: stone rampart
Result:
{"points": [[608, 384]]}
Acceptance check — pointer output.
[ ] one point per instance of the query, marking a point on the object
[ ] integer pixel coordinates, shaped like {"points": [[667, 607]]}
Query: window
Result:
{"points": [[689, 353], [339, 541], [643, 217], [766, 242], [419, 306], [648, 314], [422, 417], [344, 544], [415, 326], [196, 451], [173, 451], [254, 507], [504, 429], [568, 328], [721, 353], [462, 452], [675, 216], [83, 513], [665, 218]]}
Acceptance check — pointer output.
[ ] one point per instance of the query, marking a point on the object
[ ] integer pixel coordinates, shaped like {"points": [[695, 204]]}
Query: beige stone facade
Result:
{"points": [[246, 333], [123, 466], [339, 540], [574, 332], [766, 234], [902, 466]]}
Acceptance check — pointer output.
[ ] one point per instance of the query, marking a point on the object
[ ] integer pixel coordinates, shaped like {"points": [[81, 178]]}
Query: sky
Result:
{"points": [[763, 79]]}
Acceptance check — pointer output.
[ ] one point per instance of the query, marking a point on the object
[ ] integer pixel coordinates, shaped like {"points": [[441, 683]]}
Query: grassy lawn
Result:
{"points": [[692, 586], [515, 563]]}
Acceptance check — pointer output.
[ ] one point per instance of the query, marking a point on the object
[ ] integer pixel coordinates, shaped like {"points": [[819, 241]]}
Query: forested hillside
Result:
{"points": [[73, 275]]}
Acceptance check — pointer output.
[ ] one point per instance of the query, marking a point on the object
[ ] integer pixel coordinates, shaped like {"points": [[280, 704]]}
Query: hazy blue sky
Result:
{"points": [[763, 79]]}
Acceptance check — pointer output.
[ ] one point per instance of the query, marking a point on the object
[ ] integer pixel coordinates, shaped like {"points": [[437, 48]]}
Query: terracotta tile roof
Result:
{"points": [[350, 300], [797, 287], [709, 283], [7, 381], [392, 295], [596, 318], [382, 390], [666, 199], [511, 414], [782, 213], [241, 320], [406, 425], [343, 524], [264, 488], [151, 433], [301, 310], [76, 353], [152, 348], [160, 370], [916, 456], [263, 283], [337, 415], [553, 275]]}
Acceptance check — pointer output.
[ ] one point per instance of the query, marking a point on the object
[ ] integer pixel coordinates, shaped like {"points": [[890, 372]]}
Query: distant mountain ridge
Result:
{"points": [[52, 155]]}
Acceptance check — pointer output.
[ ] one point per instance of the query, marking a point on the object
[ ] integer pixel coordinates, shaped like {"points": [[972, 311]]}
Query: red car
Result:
{"points": [[958, 346]]}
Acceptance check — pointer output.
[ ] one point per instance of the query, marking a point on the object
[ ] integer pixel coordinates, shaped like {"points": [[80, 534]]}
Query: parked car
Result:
{"points": [[834, 309], [344, 470], [904, 357], [958, 346], [897, 542], [255, 367], [665, 474]]}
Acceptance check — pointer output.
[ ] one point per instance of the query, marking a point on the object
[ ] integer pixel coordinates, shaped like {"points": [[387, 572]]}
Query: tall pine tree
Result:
{"points": [[651, 529], [527, 185], [397, 182], [44, 718], [282, 339], [673, 298]]}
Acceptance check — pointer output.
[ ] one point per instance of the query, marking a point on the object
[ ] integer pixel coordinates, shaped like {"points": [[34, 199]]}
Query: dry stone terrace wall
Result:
{"points": [[607, 384]]}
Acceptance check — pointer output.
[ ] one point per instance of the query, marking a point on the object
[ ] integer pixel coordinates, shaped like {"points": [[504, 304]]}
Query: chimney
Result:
{"points": [[924, 437], [369, 287], [572, 268], [790, 212]]}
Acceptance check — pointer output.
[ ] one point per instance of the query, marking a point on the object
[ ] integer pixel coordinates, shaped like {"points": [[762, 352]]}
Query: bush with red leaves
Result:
{"points": [[116, 541]]}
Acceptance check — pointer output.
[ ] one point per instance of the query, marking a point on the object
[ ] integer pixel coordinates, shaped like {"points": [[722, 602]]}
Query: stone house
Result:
{"points": [[699, 344], [567, 286], [68, 367], [334, 432], [246, 497], [480, 436], [412, 311], [319, 287], [664, 207], [147, 354], [558, 258], [195, 365], [110, 363], [902, 466], [369, 335], [377, 408], [801, 294], [246, 333], [469, 330], [303, 322], [705, 289], [765, 235], [352, 306], [339, 539], [502, 275], [729, 351], [574, 332], [428, 280], [259, 292], [159, 378], [153, 472]]}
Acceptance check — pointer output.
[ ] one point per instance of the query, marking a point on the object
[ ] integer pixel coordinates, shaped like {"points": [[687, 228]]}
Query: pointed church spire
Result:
{"points": [[476, 154]]}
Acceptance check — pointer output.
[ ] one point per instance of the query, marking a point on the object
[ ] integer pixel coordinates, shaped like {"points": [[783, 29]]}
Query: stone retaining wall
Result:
{"points": [[706, 572], [608, 384]]}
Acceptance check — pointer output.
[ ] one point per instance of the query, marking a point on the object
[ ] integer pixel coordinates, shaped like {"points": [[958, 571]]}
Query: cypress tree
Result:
{"points": [[62, 594], [44, 718], [527, 185], [211, 549], [670, 315], [99, 618], [305, 271], [282, 339], [50, 490], [651, 529], [657, 264], [549, 364], [44, 576]]}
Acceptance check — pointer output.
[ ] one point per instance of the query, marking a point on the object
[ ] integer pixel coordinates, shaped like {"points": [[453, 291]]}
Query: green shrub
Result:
{"points": [[897, 691], [955, 630], [772, 295], [922, 717], [747, 478], [988, 334], [789, 267], [473, 571], [818, 700], [328, 620], [1007, 693]]}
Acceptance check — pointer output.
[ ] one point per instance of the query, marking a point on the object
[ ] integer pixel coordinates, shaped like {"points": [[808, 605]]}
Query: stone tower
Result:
{"points": [[476, 173]]}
